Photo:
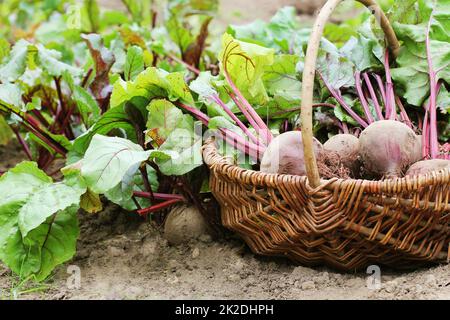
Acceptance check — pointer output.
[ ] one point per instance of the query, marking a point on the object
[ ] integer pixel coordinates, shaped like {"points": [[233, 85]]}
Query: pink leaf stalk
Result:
{"points": [[217, 100], [188, 66], [345, 128], [235, 140], [391, 113], [337, 95], [197, 113], [425, 136], [381, 87], [261, 125], [159, 206], [247, 147], [244, 111], [373, 97], [158, 196], [363, 100], [403, 114], [23, 143]]}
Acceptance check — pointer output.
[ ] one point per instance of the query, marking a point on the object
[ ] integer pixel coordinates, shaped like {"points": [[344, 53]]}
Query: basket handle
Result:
{"points": [[309, 75]]}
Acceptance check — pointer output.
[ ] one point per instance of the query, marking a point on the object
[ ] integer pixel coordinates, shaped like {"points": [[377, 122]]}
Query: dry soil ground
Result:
{"points": [[120, 256]]}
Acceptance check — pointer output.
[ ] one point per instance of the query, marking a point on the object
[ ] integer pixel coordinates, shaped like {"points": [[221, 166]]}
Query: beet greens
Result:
{"points": [[117, 109]]}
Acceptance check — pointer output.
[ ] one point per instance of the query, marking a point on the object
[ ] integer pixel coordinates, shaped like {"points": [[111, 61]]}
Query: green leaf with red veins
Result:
{"points": [[52, 243], [134, 63], [87, 106], [164, 117], [122, 193], [109, 159], [103, 61], [149, 84], [35, 237], [336, 69], [111, 120], [16, 186], [245, 63], [185, 146], [412, 73], [45, 202]]}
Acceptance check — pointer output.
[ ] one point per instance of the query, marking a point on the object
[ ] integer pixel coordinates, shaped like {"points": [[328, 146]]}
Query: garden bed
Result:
{"points": [[122, 256]]}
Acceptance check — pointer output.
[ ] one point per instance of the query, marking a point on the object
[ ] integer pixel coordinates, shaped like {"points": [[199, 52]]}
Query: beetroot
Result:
{"points": [[426, 166], [346, 146], [284, 154], [184, 223], [388, 147], [418, 151]]}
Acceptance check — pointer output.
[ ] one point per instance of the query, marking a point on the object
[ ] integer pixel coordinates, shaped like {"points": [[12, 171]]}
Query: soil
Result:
{"points": [[123, 256], [10, 155]]}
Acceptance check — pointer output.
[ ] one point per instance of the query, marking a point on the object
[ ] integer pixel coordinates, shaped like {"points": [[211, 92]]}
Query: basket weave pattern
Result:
{"points": [[348, 224]]}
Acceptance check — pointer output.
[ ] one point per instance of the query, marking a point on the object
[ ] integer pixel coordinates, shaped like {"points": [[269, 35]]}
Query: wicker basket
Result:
{"points": [[344, 223]]}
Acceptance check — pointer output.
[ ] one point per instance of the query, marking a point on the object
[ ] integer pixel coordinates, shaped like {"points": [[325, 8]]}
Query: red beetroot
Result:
{"points": [[284, 154], [388, 147], [346, 146], [427, 166]]}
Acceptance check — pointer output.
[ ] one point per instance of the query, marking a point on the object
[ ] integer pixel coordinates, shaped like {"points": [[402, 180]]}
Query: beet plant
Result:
{"points": [[85, 138], [374, 86], [117, 110]]}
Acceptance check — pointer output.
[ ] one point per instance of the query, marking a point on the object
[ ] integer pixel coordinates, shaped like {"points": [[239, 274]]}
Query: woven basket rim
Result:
{"points": [[215, 161]]}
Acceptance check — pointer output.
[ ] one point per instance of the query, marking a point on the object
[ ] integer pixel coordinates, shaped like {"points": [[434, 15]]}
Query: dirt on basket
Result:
{"points": [[330, 166], [122, 256]]}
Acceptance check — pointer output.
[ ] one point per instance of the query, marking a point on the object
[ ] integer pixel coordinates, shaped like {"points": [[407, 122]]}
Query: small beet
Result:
{"points": [[347, 147], [427, 166], [418, 151], [184, 223], [284, 155], [388, 147]]}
